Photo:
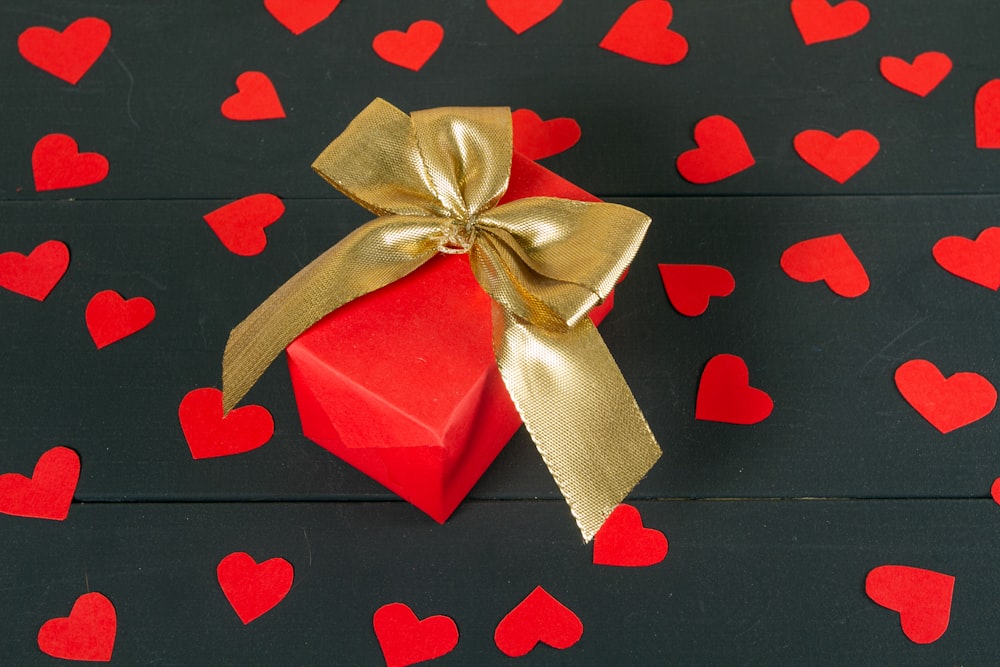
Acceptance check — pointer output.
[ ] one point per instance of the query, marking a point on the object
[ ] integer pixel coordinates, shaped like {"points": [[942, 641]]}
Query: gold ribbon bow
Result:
{"points": [[435, 179]]}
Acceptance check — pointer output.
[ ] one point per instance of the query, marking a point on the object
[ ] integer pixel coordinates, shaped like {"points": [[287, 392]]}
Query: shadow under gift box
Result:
{"points": [[402, 383]]}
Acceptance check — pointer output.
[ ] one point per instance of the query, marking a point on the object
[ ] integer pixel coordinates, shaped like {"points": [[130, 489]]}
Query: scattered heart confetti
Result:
{"points": [[36, 274], [995, 491], [48, 493], [625, 542], [830, 259], [536, 139], [922, 598], [57, 164], [111, 317], [819, 21], [725, 394], [210, 434], [411, 49], [690, 286], [837, 157], [538, 618], [642, 33], [253, 588], [522, 15], [976, 261], [256, 100], [948, 404], [240, 224], [69, 54], [987, 110], [300, 15], [722, 151], [88, 633], [921, 77], [406, 640]]}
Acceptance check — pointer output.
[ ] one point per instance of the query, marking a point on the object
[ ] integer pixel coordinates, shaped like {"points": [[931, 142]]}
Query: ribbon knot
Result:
{"points": [[458, 237]]}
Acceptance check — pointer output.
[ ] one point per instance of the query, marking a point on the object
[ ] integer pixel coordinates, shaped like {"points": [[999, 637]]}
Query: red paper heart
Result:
{"points": [[300, 15], [521, 15], [539, 618], [927, 71], [406, 640], [48, 493], [690, 286], [722, 151], [725, 394], [240, 224], [256, 100], [36, 274], [641, 33], [837, 157], [210, 434], [949, 403], [253, 588], [995, 491], [830, 259], [988, 115], [818, 21], [625, 542], [57, 164], [536, 139], [88, 633], [410, 49], [111, 318], [922, 598], [67, 54], [977, 261]]}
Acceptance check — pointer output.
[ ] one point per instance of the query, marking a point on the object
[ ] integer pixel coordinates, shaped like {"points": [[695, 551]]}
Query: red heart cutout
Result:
{"points": [[830, 259], [57, 164], [34, 276], [536, 139], [410, 49], [722, 151], [818, 21], [977, 261], [625, 542], [256, 100], [209, 433], [406, 640], [300, 15], [927, 71], [67, 54], [690, 286], [949, 403], [995, 491], [988, 115], [240, 224], [837, 157], [88, 633], [725, 394], [641, 33], [48, 493], [111, 318], [253, 588], [922, 598], [520, 15], [539, 618]]}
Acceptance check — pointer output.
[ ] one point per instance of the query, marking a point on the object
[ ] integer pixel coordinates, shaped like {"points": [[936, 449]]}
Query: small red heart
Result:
{"points": [[300, 15], [209, 433], [837, 157], [725, 394], [536, 139], [642, 33], [987, 110], [922, 598], [253, 588], [625, 542], [34, 275], [690, 286], [406, 640], [539, 618], [830, 259], [57, 164], [240, 224], [88, 633], [48, 493], [111, 318], [411, 49], [927, 71], [818, 21], [949, 403], [67, 54], [722, 151], [976, 261], [995, 491], [256, 100], [521, 15]]}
